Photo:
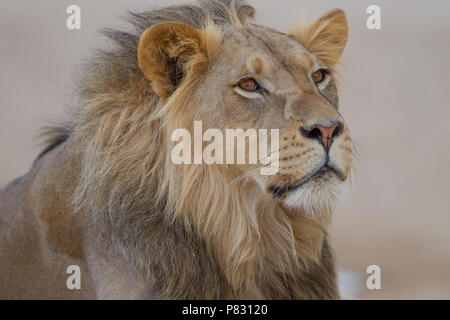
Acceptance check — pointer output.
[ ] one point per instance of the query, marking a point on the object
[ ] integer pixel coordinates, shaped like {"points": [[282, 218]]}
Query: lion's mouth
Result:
{"points": [[278, 191]]}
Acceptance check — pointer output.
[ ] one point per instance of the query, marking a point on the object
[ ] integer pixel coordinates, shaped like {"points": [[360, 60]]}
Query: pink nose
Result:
{"points": [[325, 135]]}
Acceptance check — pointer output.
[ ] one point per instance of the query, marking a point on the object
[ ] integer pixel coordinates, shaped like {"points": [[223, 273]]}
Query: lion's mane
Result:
{"points": [[187, 229]]}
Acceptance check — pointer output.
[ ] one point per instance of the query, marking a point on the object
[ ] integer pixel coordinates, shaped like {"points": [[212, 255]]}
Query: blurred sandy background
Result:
{"points": [[394, 95]]}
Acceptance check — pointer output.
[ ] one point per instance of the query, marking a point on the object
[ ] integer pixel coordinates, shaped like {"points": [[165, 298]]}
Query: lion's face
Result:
{"points": [[266, 80], [263, 79]]}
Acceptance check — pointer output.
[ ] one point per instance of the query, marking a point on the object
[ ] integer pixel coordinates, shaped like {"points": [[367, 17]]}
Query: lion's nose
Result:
{"points": [[325, 135]]}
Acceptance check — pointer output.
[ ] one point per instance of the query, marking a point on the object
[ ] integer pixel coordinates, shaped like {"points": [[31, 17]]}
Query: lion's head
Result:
{"points": [[208, 63], [247, 76]]}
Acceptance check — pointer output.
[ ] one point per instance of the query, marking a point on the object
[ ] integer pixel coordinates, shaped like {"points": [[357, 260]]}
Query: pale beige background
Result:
{"points": [[394, 95]]}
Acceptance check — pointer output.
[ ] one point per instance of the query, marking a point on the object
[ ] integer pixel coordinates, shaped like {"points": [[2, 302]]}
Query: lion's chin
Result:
{"points": [[315, 196]]}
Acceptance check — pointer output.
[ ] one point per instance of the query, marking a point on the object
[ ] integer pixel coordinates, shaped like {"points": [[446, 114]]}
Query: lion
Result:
{"points": [[105, 197]]}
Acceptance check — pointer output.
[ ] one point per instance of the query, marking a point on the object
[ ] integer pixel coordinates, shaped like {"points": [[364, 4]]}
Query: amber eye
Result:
{"points": [[318, 76], [248, 85]]}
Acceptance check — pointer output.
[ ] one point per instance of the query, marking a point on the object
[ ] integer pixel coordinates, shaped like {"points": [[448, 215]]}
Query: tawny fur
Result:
{"points": [[187, 231]]}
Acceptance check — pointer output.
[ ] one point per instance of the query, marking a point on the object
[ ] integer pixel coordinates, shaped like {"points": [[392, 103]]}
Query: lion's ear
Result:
{"points": [[326, 37], [165, 51]]}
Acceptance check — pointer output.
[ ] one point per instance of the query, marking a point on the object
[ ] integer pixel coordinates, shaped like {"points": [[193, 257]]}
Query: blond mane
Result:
{"points": [[187, 229]]}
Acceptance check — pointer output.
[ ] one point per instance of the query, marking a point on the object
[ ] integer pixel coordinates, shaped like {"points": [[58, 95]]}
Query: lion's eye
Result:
{"points": [[249, 84], [318, 76]]}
